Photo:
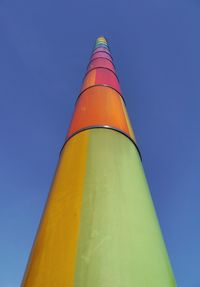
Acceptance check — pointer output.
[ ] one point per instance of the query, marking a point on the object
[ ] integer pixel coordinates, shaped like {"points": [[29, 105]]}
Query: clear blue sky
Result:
{"points": [[44, 50]]}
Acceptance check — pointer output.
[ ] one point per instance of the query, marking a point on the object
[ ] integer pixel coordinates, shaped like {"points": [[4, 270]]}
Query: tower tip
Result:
{"points": [[101, 39]]}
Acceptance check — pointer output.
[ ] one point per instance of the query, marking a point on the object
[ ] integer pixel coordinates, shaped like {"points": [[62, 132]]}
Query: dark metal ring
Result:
{"points": [[101, 85], [102, 52], [102, 127], [100, 58], [100, 47], [100, 68]]}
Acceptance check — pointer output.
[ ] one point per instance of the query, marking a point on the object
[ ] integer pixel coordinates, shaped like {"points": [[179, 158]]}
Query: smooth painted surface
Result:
{"points": [[100, 45], [101, 49], [101, 62], [101, 54], [101, 76], [120, 243], [101, 70], [101, 39], [52, 261], [100, 106], [99, 226]]}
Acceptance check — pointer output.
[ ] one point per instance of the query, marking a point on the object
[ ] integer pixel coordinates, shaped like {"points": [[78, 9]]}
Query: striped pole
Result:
{"points": [[99, 227]]}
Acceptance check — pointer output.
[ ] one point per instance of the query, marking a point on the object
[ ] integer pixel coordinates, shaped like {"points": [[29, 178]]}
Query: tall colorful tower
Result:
{"points": [[99, 227]]}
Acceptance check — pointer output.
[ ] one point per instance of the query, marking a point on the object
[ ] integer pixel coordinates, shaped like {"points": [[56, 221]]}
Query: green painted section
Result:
{"points": [[101, 45], [120, 243]]}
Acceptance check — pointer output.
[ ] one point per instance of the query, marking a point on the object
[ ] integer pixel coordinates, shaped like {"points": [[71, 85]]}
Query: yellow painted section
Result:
{"points": [[52, 260], [128, 121], [101, 39]]}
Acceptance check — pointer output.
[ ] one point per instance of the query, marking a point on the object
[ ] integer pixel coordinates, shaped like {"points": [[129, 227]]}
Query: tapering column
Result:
{"points": [[99, 227]]}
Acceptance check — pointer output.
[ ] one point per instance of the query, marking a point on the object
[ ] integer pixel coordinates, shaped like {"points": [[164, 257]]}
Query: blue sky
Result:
{"points": [[44, 49]]}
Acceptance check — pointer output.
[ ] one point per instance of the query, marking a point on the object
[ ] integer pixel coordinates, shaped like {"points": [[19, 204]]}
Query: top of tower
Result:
{"points": [[101, 39], [100, 102], [101, 42]]}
